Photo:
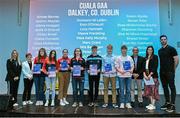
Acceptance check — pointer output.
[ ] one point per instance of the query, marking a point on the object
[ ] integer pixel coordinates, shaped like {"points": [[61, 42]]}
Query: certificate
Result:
{"points": [[37, 69], [108, 67], [77, 70], [149, 82], [127, 65], [93, 69], [52, 70], [64, 66]]}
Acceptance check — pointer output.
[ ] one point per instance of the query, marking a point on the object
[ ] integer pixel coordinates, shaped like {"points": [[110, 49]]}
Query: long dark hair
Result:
{"points": [[147, 52], [50, 58], [45, 54], [75, 52]]}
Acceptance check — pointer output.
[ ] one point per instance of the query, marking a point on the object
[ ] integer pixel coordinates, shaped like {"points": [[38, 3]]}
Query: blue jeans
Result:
{"points": [[39, 86], [50, 87], [75, 84], [124, 84]]}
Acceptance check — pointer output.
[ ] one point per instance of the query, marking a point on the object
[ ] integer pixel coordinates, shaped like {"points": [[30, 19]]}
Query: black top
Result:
{"points": [[30, 65], [153, 66], [166, 58], [13, 69], [80, 61], [94, 60], [140, 66]]}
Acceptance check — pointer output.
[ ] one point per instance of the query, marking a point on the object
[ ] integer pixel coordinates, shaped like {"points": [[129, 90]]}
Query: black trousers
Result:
{"points": [[93, 88], [167, 79], [14, 89], [27, 89]]}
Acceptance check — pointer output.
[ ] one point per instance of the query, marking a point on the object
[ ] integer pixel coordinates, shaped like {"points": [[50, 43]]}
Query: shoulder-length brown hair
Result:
{"points": [[45, 54], [75, 52]]}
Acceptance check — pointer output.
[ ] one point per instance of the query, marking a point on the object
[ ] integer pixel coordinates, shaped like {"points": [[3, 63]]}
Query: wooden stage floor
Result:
{"points": [[85, 111]]}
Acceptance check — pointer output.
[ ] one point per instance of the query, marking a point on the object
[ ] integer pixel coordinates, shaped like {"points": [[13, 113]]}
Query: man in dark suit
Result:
{"points": [[137, 77]]}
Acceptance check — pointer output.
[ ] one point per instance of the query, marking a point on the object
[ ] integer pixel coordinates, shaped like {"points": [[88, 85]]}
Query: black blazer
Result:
{"points": [[13, 69], [140, 66], [153, 66]]}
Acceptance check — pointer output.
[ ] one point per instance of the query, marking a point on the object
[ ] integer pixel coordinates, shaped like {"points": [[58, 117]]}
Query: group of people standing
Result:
{"points": [[131, 71]]}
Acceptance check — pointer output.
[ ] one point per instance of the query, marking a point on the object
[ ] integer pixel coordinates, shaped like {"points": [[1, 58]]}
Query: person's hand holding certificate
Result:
{"points": [[52, 70], [93, 69], [77, 70], [64, 66], [37, 69], [150, 81]]}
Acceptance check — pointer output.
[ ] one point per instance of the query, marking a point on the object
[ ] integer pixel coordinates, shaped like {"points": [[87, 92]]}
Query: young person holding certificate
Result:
{"points": [[63, 77], [124, 66], [28, 79], [151, 75], [39, 76], [50, 68], [78, 67], [137, 77], [94, 63], [13, 66], [109, 76], [169, 61]]}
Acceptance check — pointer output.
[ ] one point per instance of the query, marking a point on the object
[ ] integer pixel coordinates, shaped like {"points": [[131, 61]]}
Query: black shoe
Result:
{"points": [[140, 104], [171, 109], [165, 106], [132, 104]]}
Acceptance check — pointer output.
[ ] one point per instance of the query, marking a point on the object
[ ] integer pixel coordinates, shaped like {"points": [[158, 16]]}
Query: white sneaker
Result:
{"points": [[115, 106], [41, 103], [151, 107], [29, 102], [122, 106], [80, 104], [74, 104], [128, 105], [37, 103], [52, 103], [62, 102], [15, 104], [105, 105], [65, 101], [148, 106], [47, 103], [24, 103], [91, 104]]}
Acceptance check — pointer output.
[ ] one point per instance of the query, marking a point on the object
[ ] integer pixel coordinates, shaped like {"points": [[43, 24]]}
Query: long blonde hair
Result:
{"points": [[17, 58]]}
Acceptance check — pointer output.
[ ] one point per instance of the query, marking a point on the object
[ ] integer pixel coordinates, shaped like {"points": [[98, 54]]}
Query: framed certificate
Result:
{"points": [[52, 70], [64, 66], [93, 70], [37, 69], [108, 67], [77, 70], [127, 65]]}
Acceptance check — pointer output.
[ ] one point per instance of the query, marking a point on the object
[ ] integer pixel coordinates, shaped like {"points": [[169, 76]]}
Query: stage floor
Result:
{"points": [[68, 111]]}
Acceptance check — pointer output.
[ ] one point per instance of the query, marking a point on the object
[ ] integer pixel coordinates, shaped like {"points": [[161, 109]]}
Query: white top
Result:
{"points": [[147, 64], [123, 61], [27, 72]]}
